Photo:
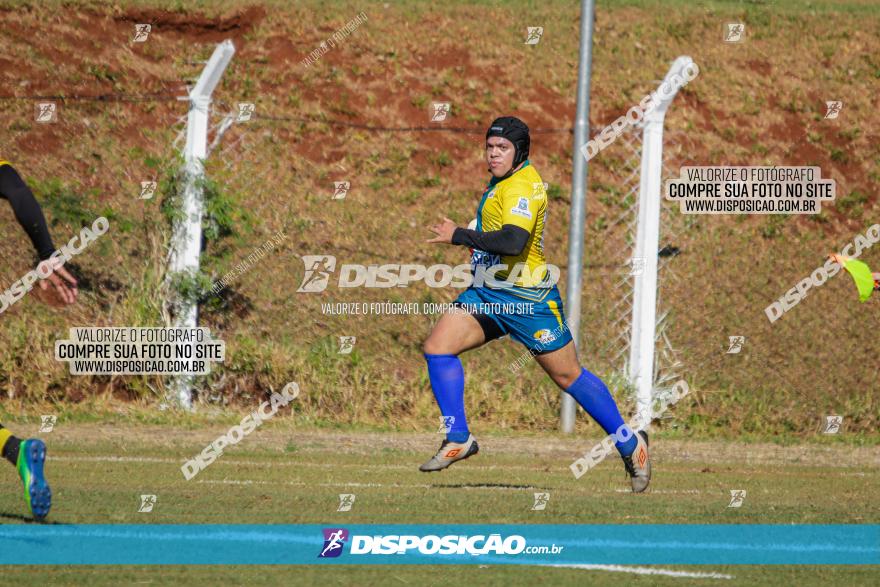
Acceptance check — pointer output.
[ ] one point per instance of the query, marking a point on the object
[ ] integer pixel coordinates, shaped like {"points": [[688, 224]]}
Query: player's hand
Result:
{"points": [[63, 282], [838, 259], [443, 231]]}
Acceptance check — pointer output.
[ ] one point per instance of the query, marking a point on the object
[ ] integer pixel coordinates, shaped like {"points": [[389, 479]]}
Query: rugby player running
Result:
{"points": [[511, 219], [29, 455]]}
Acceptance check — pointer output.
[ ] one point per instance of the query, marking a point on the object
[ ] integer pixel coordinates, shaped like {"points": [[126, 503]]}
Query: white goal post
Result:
{"points": [[644, 310], [641, 221], [186, 240]]}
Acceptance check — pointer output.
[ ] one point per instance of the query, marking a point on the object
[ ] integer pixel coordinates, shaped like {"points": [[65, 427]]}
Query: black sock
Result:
{"points": [[10, 450]]}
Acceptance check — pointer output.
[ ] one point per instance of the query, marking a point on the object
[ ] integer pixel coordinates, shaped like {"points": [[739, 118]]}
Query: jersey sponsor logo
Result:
{"points": [[485, 259], [490, 195], [522, 208], [545, 335]]}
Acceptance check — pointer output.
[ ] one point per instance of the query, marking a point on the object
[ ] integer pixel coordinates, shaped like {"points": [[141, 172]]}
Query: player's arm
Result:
{"points": [[519, 215], [30, 216], [510, 240], [27, 211]]}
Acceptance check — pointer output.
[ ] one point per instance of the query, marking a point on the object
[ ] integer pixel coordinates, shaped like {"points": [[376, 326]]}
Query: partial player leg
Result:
{"points": [[592, 394], [455, 333], [28, 457]]}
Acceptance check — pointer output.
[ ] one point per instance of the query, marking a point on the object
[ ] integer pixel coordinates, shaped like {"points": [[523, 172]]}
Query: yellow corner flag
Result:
{"points": [[860, 273]]}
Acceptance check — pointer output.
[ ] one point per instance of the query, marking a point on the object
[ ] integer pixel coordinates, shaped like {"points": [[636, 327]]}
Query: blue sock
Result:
{"points": [[593, 396], [447, 381]]}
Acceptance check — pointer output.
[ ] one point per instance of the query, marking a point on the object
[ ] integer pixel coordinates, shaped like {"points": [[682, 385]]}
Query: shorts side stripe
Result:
{"points": [[531, 294], [555, 309]]}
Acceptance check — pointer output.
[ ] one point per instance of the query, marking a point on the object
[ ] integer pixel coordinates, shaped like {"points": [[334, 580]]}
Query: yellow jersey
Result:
{"points": [[521, 200]]}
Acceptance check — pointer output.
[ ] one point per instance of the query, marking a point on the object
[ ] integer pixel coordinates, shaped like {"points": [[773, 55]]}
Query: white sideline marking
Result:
{"points": [[410, 485], [289, 463], [304, 484], [667, 491], [111, 458], [116, 459], [646, 571]]}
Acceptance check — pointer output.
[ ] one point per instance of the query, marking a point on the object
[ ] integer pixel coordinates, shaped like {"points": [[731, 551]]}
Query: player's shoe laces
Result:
{"points": [[449, 453], [31, 456], [638, 464]]}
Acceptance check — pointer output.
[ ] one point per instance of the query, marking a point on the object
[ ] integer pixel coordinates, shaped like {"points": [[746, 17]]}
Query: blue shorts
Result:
{"points": [[539, 325]]}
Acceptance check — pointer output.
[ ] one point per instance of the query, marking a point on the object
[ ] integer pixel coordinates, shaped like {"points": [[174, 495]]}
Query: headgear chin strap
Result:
{"points": [[514, 130]]}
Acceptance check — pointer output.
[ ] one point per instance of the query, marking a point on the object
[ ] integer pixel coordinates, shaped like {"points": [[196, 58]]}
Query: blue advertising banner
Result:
{"points": [[745, 544]]}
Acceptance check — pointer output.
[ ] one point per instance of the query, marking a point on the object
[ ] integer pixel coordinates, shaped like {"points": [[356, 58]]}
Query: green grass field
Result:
{"points": [[753, 421], [281, 474], [755, 103]]}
